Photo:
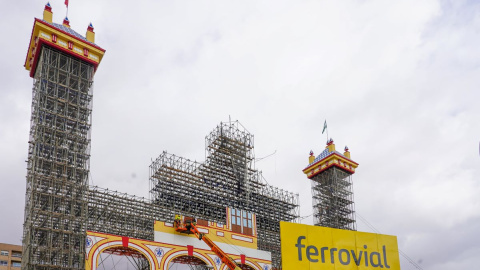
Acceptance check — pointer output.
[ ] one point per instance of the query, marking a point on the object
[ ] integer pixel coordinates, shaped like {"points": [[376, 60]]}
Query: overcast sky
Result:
{"points": [[397, 82]]}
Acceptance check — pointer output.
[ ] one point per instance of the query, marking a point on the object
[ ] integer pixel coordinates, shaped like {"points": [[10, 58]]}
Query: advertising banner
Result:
{"points": [[313, 247]]}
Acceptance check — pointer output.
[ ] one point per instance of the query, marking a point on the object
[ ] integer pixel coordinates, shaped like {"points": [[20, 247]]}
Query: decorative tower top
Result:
{"points": [[66, 22], [59, 36], [346, 153], [47, 13], [330, 145], [90, 35], [328, 158]]}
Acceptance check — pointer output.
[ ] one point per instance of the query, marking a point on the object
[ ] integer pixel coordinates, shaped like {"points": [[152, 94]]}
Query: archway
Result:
{"points": [[122, 258], [246, 267], [185, 262]]}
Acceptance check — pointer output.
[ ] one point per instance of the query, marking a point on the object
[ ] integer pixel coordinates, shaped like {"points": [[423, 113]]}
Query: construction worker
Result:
{"points": [[188, 223], [177, 221]]}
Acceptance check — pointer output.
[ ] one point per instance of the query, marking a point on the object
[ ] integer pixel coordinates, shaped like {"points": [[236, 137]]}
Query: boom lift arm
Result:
{"points": [[189, 227]]}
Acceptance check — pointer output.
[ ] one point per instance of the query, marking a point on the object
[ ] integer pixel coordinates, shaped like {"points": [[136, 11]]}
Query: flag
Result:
{"points": [[324, 126], [66, 3]]}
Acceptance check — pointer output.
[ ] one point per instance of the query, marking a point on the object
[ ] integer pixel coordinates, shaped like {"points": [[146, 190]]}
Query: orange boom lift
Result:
{"points": [[188, 227]]}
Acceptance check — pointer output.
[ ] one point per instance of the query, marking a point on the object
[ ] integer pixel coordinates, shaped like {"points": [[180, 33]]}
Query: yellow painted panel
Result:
{"points": [[391, 249], [320, 240], [314, 247], [291, 258], [365, 243], [228, 236], [343, 242]]}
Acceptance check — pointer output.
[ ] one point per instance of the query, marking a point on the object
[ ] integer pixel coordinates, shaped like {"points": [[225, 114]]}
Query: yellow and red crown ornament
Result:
{"points": [[329, 158], [61, 37]]}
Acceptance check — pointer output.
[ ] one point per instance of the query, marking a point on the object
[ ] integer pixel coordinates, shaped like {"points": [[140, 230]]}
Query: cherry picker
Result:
{"points": [[189, 227]]}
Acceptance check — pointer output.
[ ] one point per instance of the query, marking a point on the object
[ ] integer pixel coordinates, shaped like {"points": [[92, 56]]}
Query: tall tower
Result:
{"points": [[332, 191], [62, 64]]}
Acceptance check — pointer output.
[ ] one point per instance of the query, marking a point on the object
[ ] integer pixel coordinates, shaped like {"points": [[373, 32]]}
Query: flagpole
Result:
{"points": [[325, 127], [66, 4]]}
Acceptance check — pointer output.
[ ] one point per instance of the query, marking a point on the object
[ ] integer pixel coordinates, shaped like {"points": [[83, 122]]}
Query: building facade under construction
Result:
{"points": [[60, 205], [227, 179]]}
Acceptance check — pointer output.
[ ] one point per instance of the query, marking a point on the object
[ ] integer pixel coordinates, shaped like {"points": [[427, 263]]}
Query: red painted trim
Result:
{"points": [[334, 154], [242, 258], [70, 35], [120, 236], [145, 249], [158, 244], [42, 41], [172, 255], [331, 165], [190, 250], [96, 246], [33, 64], [125, 241], [29, 44]]}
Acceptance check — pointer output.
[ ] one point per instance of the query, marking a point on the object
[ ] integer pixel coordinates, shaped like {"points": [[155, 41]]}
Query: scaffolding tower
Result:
{"points": [[227, 178], [332, 188], [333, 204], [62, 64], [58, 163]]}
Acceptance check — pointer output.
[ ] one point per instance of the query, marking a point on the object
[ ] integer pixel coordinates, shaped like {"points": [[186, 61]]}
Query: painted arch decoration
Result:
{"points": [[160, 254]]}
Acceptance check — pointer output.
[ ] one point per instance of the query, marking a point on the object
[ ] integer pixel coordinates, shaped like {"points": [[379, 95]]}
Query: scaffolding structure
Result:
{"points": [[58, 163], [333, 204], [227, 178], [332, 189], [122, 214], [60, 206]]}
